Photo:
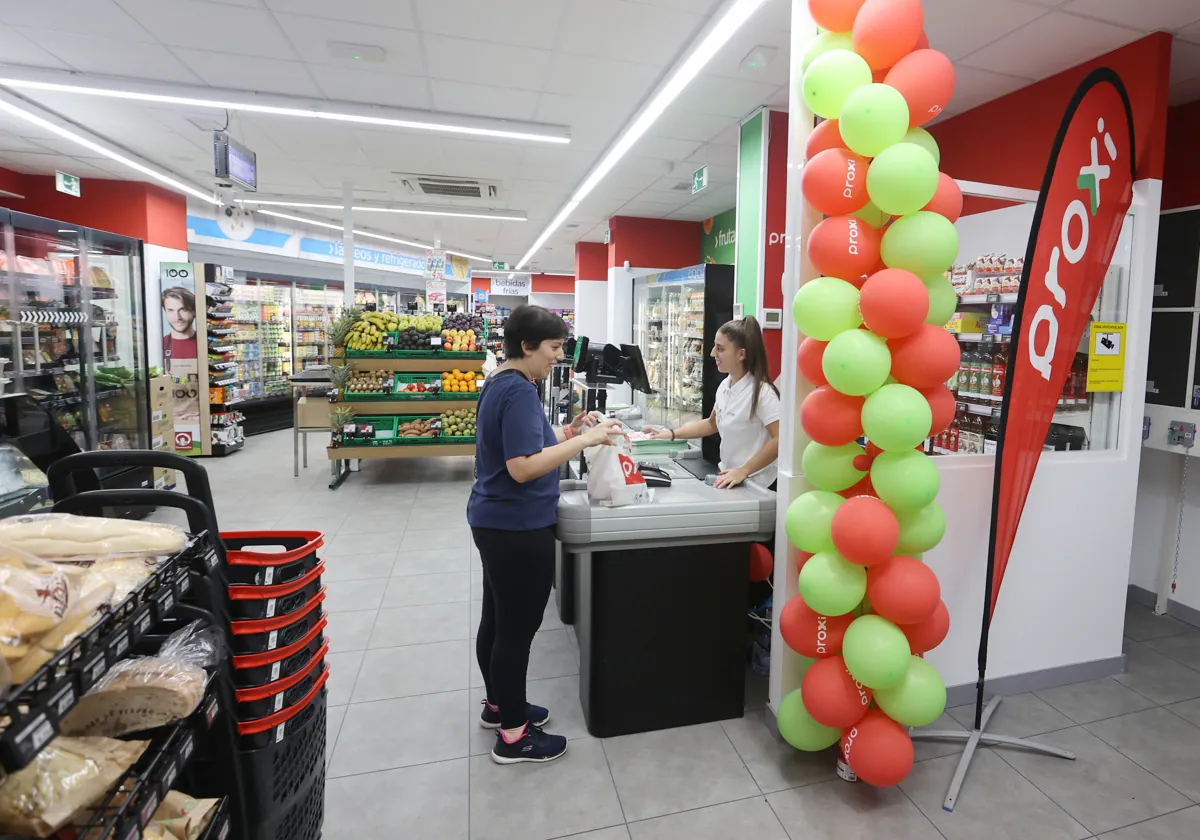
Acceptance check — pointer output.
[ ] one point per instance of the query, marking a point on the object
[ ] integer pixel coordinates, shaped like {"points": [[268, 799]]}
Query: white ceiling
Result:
{"points": [[587, 64]]}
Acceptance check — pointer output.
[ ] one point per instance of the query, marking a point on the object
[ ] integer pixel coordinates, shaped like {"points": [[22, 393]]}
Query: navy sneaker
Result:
{"points": [[489, 718], [535, 745]]}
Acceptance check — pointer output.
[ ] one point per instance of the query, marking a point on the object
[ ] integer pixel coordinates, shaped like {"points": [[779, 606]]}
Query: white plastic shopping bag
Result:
{"points": [[613, 476]]}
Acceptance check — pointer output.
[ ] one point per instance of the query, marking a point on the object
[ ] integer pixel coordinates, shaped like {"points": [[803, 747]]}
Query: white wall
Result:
{"points": [[152, 257], [591, 310], [1004, 231], [553, 300]]}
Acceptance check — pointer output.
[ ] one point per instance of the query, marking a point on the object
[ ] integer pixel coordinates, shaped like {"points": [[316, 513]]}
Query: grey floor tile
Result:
{"points": [[333, 726], [400, 733], [996, 803], [428, 802], [569, 796], [431, 561], [551, 655], [730, 821], [839, 811], [659, 773], [357, 567], [414, 590], [1019, 716], [617, 832], [412, 670], [1184, 648], [775, 764], [1158, 677], [923, 749], [377, 543], [329, 524], [559, 695], [476, 584], [452, 537], [1141, 624], [354, 595], [391, 521], [550, 619], [419, 625], [1181, 824], [1189, 710], [436, 517], [1166, 745], [349, 630], [1102, 789], [343, 671], [1096, 700]]}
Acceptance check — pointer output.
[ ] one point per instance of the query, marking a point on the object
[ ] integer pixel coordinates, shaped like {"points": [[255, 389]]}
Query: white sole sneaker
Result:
{"points": [[500, 759]]}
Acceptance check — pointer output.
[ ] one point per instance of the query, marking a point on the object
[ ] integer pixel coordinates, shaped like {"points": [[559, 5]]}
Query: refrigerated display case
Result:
{"points": [[313, 309], [74, 303], [275, 337], [676, 315]]}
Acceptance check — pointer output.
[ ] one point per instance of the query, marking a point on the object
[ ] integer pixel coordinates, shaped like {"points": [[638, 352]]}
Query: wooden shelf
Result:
{"points": [[416, 365], [371, 453], [416, 407]]}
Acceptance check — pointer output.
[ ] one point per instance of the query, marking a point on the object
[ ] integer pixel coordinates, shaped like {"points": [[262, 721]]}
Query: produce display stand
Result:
{"points": [[310, 411]]}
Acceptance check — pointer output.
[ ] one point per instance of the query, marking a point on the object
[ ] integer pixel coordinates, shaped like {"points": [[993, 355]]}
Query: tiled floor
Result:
{"points": [[408, 759]]}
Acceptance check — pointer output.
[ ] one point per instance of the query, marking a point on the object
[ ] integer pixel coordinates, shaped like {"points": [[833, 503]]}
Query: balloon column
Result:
{"points": [[876, 349]]}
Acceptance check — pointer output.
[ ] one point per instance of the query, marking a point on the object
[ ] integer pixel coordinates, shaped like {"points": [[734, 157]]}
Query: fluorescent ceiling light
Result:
{"points": [[411, 210], [367, 234], [106, 151], [716, 37], [419, 120]]}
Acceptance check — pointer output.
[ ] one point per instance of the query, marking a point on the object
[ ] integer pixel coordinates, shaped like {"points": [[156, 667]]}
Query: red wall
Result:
{"points": [[776, 223], [591, 261], [653, 243], [1181, 172], [1007, 141]]}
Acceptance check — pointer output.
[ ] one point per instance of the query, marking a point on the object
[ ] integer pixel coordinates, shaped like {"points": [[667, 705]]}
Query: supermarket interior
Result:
{"points": [[827, 503]]}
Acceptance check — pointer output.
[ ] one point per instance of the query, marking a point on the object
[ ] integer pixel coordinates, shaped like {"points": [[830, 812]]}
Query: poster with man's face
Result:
{"points": [[180, 353]]}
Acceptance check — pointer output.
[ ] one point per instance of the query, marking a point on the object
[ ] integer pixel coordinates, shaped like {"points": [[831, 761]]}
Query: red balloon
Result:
{"points": [[926, 80], [802, 557], [948, 200], [925, 635], [835, 182], [845, 247], [865, 531], [894, 303], [928, 357], [832, 418], [826, 135], [873, 450], [808, 359], [903, 590], [811, 634], [863, 488], [878, 750], [834, 15], [832, 696], [887, 30], [923, 41], [941, 403]]}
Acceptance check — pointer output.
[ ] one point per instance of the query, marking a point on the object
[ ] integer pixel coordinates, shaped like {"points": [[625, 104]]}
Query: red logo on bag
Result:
{"points": [[183, 440], [632, 474]]}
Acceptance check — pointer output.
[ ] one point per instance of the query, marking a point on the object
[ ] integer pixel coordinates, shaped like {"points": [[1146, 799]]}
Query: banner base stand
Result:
{"points": [[974, 739]]}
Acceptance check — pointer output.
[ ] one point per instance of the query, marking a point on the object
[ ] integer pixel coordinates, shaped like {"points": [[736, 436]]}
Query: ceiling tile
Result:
{"points": [[17, 49], [1185, 61], [974, 87], [398, 152], [960, 27], [486, 64], [565, 166], [244, 72], [375, 12], [688, 125], [98, 18], [1185, 92], [483, 100], [311, 36], [666, 149], [1190, 33], [1053, 43], [111, 57], [13, 143], [479, 158], [770, 27], [522, 23], [593, 123], [625, 30], [1143, 15], [732, 98], [597, 78], [188, 23], [355, 85]]}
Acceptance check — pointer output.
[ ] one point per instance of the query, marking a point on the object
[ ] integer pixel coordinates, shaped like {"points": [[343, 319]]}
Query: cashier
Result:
{"points": [[746, 411]]}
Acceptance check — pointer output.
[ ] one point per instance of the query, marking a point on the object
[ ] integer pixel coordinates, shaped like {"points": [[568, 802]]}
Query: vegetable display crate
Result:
{"points": [[428, 396], [395, 439], [367, 396], [385, 431], [449, 439]]}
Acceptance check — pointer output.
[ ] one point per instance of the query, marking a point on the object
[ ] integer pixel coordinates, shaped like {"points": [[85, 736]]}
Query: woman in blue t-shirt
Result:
{"points": [[512, 513]]}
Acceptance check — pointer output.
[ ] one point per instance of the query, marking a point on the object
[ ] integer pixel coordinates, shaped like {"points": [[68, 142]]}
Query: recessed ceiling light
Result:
{"points": [[384, 207], [757, 59], [357, 52]]}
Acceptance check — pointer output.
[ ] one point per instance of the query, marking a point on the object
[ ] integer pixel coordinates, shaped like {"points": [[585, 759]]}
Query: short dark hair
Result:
{"points": [[184, 296], [531, 325]]}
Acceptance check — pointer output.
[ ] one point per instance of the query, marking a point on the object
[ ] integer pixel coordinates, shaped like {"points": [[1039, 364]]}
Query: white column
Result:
{"points": [[348, 242]]}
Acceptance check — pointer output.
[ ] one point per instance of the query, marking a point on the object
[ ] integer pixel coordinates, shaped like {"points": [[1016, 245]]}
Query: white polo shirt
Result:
{"points": [[741, 436]]}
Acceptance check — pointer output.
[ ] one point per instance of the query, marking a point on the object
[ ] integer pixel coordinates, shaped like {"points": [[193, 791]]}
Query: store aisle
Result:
{"points": [[407, 755]]}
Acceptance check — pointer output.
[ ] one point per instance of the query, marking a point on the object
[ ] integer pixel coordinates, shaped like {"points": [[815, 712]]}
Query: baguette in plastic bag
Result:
{"points": [[35, 597], [65, 535]]}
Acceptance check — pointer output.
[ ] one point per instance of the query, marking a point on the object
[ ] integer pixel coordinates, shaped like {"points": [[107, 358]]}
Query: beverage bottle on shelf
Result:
{"points": [[976, 363], [952, 437], [976, 434], [964, 373], [986, 364], [991, 437], [999, 371]]}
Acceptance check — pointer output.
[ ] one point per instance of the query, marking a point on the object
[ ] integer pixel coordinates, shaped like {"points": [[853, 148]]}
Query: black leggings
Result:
{"points": [[518, 570]]}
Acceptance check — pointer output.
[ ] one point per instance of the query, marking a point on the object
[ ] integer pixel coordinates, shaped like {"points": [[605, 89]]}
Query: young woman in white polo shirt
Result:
{"points": [[746, 411]]}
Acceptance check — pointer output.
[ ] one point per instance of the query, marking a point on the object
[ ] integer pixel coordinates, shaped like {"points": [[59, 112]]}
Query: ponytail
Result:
{"points": [[746, 334]]}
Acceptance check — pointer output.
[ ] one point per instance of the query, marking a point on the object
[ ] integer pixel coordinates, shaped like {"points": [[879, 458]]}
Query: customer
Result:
{"points": [[746, 411], [512, 513]]}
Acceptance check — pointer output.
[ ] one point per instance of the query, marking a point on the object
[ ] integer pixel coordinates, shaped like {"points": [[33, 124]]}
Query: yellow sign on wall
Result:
{"points": [[1106, 357]]}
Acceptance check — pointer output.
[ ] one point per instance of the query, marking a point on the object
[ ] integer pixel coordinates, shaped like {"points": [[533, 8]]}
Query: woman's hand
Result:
{"points": [[585, 421], [602, 433], [728, 479], [659, 434]]}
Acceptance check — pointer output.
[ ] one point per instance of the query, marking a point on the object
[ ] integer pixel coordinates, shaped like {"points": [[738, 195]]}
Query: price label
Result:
{"points": [[166, 601], [170, 774], [149, 808], [35, 736], [435, 341], [119, 646], [186, 748], [988, 338], [141, 624], [274, 672], [279, 732], [273, 640], [224, 831], [996, 413], [279, 701], [210, 713], [184, 583], [271, 607], [64, 701], [210, 559], [268, 575], [479, 383], [961, 406], [94, 670]]}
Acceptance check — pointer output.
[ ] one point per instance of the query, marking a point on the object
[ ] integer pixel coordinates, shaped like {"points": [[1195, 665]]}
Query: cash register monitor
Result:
{"points": [[630, 365]]}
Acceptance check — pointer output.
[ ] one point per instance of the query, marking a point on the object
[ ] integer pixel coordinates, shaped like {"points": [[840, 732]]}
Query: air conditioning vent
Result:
{"points": [[448, 186]]}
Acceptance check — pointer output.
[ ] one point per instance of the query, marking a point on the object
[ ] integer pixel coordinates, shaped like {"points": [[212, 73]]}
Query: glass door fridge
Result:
{"points": [[312, 313]]}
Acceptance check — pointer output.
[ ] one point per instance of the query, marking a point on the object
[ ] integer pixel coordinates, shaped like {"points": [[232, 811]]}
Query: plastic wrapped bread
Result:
{"points": [[65, 535], [180, 817], [35, 597], [91, 606]]}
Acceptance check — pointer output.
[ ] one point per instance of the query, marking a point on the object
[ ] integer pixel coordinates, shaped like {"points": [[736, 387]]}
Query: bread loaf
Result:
{"points": [[66, 535], [88, 610], [138, 694]]}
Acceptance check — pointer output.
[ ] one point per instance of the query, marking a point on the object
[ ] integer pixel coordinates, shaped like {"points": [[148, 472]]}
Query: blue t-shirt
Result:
{"points": [[510, 423]]}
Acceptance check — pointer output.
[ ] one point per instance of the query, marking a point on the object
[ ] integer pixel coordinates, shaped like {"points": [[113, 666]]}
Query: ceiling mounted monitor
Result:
{"points": [[236, 165]]}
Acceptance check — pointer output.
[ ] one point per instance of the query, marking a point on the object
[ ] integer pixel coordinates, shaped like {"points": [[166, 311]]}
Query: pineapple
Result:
{"points": [[338, 418], [340, 375], [340, 330]]}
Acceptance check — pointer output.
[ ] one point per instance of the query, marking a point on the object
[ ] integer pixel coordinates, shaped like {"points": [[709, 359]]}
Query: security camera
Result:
{"points": [[229, 212]]}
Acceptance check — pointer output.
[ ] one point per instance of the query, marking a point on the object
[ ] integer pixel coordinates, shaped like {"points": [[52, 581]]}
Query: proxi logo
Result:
{"points": [[851, 177], [822, 634]]}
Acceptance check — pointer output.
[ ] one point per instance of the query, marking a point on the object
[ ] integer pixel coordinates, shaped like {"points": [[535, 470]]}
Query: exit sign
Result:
{"points": [[65, 183], [499, 266], [700, 179]]}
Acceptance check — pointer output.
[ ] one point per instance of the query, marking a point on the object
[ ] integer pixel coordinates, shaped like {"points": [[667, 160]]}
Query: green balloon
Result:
{"points": [[856, 362], [897, 418], [871, 214], [905, 481], [831, 467], [943, 300], [876, 652], [924, 243], [918, 700], [902, 179], [832, 585], [809, 519], [825, 42], [872, 117], [921, 530], [831, 78], [920, 137], [797, 727], [826, 306]]}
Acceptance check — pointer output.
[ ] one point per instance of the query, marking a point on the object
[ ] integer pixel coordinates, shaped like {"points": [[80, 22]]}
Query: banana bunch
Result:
{"points": [[368, 332]]}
